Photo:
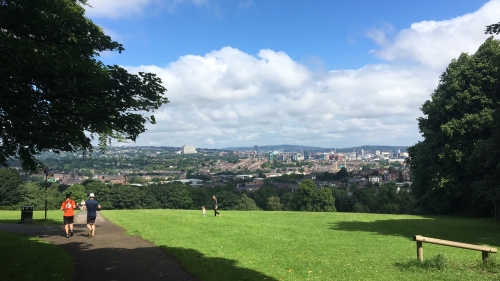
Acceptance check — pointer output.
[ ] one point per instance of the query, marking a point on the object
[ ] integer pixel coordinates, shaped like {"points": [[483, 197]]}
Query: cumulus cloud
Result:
{"points": [[436, 43], [228, 97], [229, 74], [231, 98]]}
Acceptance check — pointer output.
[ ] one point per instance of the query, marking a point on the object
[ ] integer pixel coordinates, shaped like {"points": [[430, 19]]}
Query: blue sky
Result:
{"points": [[325, 73]]}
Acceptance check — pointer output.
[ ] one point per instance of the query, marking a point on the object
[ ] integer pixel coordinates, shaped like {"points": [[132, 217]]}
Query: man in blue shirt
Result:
{"points": [[91, 206]]}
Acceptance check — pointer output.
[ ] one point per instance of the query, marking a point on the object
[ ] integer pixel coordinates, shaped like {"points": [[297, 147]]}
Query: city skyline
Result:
{"points": [[326, 74]]}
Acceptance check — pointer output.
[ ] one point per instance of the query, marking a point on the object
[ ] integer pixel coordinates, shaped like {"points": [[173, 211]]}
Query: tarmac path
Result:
{"points": [[110, 255]]}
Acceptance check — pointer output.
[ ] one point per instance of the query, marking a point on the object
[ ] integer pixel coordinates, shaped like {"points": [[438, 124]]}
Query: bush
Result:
{"points": [[358, 208], [389, 209]]}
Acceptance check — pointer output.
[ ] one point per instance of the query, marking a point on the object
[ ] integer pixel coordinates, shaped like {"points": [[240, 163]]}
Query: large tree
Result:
{"points": [[54, 92], [458, 118], [487, 154]]}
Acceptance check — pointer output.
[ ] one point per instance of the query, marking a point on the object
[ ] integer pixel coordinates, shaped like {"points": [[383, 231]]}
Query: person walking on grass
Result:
{"points": [[68, 206], [216, 206], [203, 211], [92, 206]]}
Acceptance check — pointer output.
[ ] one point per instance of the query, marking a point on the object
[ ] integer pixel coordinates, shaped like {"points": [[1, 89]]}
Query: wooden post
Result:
{"points": [[420, 251], [485, 256]]}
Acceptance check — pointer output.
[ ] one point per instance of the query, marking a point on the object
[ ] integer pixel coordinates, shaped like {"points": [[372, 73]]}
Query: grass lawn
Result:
{"points": [[25, 258], [28, 258], [261, 245], [54, 217]]}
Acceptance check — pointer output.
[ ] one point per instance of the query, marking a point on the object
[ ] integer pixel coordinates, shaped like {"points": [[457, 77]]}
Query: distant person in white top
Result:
{"points": [[82, 205]]}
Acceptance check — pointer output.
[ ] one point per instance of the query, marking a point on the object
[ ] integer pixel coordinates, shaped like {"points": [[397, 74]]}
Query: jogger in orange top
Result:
{"points": [[68, 206]]}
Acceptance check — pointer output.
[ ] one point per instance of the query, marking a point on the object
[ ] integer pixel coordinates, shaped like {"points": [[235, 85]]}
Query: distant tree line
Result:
{"points": [[14, 193]]}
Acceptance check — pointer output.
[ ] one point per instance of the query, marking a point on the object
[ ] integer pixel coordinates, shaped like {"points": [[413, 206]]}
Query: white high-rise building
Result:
{"points": [[377, 152], [188, 149]]}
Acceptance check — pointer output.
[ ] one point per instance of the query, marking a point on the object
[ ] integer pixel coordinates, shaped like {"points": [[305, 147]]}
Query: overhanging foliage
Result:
{"points": [[53, 89]]}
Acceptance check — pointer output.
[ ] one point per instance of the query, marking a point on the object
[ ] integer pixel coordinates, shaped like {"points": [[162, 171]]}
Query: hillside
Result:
{"points": [[301, 148]]}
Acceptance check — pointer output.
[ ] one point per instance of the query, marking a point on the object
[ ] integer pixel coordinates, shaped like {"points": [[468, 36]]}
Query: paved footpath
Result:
{"points": [[110, 255]]}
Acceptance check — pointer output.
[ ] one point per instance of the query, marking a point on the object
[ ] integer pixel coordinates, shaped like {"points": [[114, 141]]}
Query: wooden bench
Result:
{"points": [[485, 250]]}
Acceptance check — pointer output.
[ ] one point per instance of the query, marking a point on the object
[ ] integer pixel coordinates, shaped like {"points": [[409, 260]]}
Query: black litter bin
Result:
{"points": [[26, 214]]}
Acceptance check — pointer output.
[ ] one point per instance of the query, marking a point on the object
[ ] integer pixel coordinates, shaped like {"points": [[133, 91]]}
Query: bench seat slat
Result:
{"points": [[421, 238]]}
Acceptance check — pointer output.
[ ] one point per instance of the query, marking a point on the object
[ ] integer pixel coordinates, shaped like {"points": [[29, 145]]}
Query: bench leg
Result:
{"points": [[420, 251], [485, 256]]}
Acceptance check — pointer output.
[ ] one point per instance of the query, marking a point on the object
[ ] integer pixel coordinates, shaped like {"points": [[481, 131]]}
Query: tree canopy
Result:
{"points": [[458, 122], [308, 198], [54, 92]]}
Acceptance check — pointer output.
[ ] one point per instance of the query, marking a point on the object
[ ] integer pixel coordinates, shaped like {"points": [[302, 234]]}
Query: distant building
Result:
{"points": [[298, 157], [375, 179], [306, 155], [256, 149], [113, 179], [274, 155], [271, 156], [377, 152], [188, 149], [321, 156]]}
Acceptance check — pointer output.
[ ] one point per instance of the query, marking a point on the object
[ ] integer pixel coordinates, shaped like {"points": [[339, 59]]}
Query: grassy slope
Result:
{"points": [[25, 258], [311, 246]]}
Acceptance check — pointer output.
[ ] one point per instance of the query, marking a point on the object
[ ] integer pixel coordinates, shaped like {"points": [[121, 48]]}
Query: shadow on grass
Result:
{"points": [[34, 222], [25, 258], [95, 260], [153, 263], [214, 268], [473, 231]]}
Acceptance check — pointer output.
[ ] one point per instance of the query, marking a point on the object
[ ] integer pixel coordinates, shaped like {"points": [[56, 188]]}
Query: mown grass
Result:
{"points": [[261, 245], [54, 217], [25, 258]]}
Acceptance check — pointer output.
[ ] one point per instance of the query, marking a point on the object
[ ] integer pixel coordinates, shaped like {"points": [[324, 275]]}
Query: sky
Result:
{"points": [[325, 73]]}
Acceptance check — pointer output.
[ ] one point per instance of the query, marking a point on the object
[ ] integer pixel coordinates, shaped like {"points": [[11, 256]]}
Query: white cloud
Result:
{"points": [[436, 43], [231, 98], [228, 97], [379, 34], [229, 74]]}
